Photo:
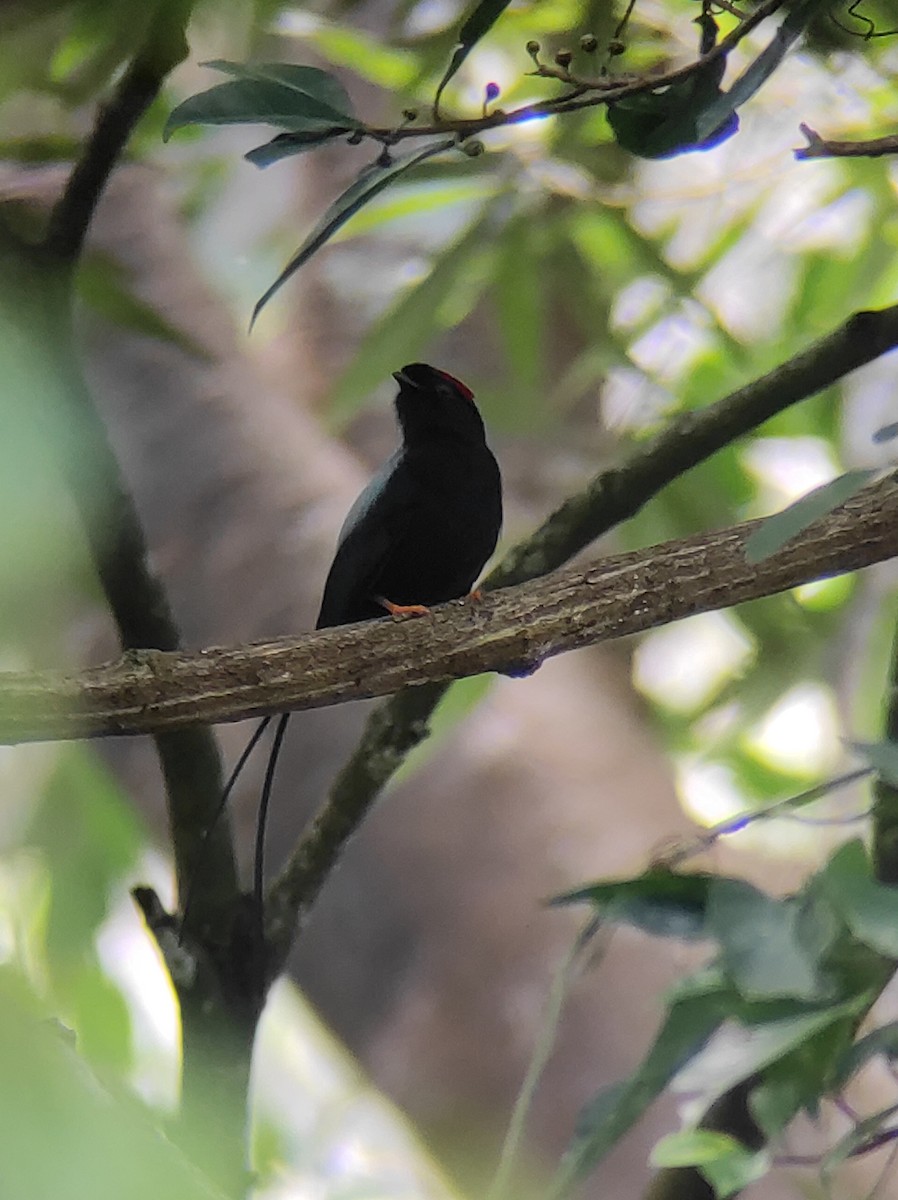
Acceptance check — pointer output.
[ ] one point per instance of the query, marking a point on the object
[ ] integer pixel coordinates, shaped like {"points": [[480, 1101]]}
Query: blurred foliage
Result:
{"points": [[599, 295], [789, 982]]}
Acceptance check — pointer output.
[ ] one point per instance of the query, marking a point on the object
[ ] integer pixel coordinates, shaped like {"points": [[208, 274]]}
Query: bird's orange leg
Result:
{"points": [[398, 611]]}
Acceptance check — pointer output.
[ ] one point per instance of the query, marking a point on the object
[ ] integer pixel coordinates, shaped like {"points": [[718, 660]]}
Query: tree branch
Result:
{"points": [[402, 722], [219, 1006], [512, 631], [39, 287], [584, 93], [819, 147], [690, 439], [164, 48]]}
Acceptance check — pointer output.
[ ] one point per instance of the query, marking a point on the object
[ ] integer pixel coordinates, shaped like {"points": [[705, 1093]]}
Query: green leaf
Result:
{"points": [[104, 285], [285, 145], [664, 123], [883, 1040], [759, 71], [369, 184], [790, 1055], [775, 531], [771, 948], [695, 114], [731, 1173], [301, 99], [692, 1147], [478, 23], [660, 902], [868, 908], [882, 757], [723, 1160], [798, 1080], [62, 1134], [690, 1021], [392, 69], [90, 837], [455, 280]]}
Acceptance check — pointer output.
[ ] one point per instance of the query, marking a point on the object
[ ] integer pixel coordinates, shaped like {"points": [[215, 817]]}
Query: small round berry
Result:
{"points": [[589, 43]]}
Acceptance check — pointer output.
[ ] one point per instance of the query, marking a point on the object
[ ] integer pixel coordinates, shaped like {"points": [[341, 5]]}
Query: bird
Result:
{"points": [[418, 535], [423, 528]]}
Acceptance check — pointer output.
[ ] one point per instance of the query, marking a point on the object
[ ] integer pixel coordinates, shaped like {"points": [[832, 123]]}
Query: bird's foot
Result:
{"points": [[400, 611]]}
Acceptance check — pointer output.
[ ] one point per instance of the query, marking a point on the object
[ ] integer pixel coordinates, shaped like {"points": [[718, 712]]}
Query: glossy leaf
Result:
{"points": [[478, 23], [285, 145], [299, 98], [775, 531], [695, 114], [730, 1174], [789, 1055], [369, 184], [661, 902], [664, 123]]}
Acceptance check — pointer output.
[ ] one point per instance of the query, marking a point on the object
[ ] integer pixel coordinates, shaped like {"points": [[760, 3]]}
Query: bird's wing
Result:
{"points": [[366, 499], [372, 528]]}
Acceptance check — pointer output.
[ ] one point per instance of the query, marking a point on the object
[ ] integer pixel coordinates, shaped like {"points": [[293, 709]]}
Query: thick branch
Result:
{"points": [[511, 631], [39, 283], [38, 299], [164, 48], [402, 722], [690, 439]]}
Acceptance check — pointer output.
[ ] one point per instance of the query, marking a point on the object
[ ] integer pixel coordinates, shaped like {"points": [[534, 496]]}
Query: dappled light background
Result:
{"points": [[586, 298]]}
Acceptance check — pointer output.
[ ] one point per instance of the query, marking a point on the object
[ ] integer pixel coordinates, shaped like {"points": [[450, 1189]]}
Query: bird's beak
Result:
{"points": [[401, 378]]}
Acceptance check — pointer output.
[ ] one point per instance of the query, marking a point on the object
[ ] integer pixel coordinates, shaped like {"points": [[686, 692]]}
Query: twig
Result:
{"points": [[885, 794], [565, 977], [819, 147], [602, 90]]}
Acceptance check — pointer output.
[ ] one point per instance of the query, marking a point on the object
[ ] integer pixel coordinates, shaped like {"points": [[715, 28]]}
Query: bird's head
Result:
{"points": [[432, 403]]}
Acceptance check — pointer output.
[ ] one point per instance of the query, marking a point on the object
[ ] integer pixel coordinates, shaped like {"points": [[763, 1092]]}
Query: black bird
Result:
{"points": [[422, 529], [418, 535]]}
